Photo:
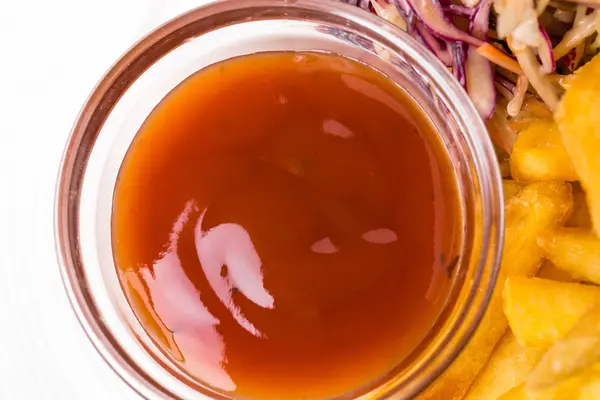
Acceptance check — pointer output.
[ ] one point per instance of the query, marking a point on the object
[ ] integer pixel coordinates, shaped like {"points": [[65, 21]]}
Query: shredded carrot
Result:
{"points": [[500, 58], [578, 34]]}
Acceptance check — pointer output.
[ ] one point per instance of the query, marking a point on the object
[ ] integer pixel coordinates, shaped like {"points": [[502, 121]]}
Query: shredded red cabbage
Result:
{"points": [[469, 52]]}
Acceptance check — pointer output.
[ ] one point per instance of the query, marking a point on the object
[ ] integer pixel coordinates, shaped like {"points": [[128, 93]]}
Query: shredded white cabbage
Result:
{"points": [[511, 14], [527, 26], [596, 44], [514, 105], [540, 82], [541, 6], [581, 31], [527, 32], [564, 16]]}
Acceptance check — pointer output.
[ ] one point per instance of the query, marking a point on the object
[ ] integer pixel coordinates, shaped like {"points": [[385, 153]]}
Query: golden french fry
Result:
{"points": [[566, 390], [574, 250], [539, 155], [536, 208], [571, 355], [581, 212], [510, 362], [511, 188], [578, 119], [566, 81], [507, 367], [585, 386], [550, 271], [540, 311], [516, 393], [590, 388]]}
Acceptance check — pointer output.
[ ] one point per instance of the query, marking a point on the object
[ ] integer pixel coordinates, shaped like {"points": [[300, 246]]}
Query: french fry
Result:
{"points": [[566, 390], [507, 367], [585, 386], [516, 393], [590, 388], [539, 155], [578, 120], [510, 362], [540, 311], [511, 188], [581, 213], [536, 208], [550, 271], [571, 355], [574, 250]]}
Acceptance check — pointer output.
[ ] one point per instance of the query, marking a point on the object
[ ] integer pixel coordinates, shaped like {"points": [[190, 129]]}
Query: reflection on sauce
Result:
{"points": [[182, 314], [280, 226], [229, 260]]}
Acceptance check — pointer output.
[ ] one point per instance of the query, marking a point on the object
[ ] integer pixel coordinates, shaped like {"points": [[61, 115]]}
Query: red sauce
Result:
{"points": [[282, 225]]}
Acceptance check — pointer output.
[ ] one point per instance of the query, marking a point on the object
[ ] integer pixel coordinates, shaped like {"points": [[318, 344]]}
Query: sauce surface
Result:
{"points": [[283, 224]]}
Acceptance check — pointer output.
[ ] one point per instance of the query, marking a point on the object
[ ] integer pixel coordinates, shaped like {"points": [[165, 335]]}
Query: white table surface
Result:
{"points": [[51, 55]]}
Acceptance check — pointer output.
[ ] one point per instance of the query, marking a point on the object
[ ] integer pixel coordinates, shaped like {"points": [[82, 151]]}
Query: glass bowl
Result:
{"points": [[221, 30]]}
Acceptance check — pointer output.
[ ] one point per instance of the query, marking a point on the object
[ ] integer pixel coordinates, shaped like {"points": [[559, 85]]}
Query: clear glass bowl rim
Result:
{"points": [[123, 73]]}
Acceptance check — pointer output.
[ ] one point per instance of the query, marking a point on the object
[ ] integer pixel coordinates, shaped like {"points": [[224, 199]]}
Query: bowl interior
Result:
{"points": [[149, 71]]}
